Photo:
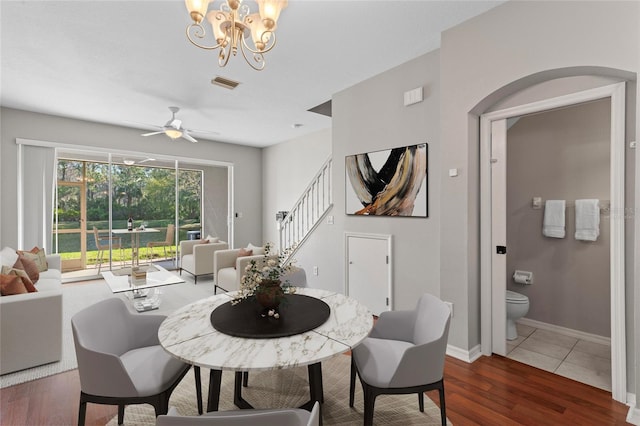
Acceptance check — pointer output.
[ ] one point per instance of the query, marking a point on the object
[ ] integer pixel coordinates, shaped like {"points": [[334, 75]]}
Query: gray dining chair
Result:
{"points": [[277, 417], [120, 360], [404, 353]]}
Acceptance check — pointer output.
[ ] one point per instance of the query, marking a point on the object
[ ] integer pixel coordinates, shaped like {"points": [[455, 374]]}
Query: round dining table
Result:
{"points": [[188, 335]]}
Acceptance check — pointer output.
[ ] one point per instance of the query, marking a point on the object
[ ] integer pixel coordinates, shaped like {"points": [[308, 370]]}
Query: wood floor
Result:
{"points": [[491, 391]]}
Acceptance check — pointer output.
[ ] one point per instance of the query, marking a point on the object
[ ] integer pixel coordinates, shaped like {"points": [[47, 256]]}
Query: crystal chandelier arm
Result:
{"points": [[199, 32]]}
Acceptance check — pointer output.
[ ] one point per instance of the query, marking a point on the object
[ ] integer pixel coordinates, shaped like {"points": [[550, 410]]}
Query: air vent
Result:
{"points": [[324, 108], [225, 82]]}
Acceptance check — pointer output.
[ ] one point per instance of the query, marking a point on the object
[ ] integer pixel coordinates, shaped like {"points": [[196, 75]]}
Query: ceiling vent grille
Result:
{"points": [[225, 82]]}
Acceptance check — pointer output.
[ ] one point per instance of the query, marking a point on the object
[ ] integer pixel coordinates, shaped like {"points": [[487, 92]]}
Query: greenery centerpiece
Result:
{"points": [[264, 280]]}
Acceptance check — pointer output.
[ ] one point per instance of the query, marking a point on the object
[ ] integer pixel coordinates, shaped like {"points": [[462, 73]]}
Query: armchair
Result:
{"points": [[120, 360], [404, 353], [197, 258], [228, 268]]}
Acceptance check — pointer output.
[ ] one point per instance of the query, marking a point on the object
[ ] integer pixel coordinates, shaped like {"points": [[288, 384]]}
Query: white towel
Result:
{"points": [[553, 224], [587, 220]]}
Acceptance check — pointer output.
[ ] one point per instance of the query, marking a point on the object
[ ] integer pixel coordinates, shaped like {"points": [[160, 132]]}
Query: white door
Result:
{"points": [[499, 235], [368, 271]]}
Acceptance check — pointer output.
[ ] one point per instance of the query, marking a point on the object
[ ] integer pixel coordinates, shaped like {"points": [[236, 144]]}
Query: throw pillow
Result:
{"points": [[11, 284], [8, 256], [28, 285], [243, 253], [29, 266], [213, 239], [256, 250], [204, 241], [38, 255]]}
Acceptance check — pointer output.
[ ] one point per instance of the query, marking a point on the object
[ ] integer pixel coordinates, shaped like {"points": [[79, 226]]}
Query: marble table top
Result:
{"points": [[188, 335]]}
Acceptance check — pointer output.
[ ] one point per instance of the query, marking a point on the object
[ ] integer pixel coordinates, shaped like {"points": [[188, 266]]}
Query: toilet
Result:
{"points": [[517, 307]]}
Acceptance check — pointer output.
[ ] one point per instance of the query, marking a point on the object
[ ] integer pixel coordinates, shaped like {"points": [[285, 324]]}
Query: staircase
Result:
{"points": [[307, 213]]}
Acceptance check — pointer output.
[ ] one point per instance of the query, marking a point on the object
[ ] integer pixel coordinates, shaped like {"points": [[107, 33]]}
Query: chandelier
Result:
{"points": [[233, 25]]}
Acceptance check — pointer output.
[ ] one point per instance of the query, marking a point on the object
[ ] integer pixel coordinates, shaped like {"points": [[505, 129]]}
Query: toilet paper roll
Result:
{"points": [[523, 277]]}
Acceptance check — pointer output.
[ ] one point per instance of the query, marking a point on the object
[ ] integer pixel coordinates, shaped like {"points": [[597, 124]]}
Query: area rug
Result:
{"points": [[79, 296], [289, 388]]}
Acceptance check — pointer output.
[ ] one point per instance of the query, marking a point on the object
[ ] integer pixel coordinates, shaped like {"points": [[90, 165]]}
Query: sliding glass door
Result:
{"points": [[96, 198]]}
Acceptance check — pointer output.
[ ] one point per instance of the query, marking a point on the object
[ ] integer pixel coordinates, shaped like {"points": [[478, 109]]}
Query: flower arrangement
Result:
{"points": [[261, 276]]}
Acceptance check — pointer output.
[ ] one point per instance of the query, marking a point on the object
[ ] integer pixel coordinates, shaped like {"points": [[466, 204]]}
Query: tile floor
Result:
{"points": [[580, 360]]}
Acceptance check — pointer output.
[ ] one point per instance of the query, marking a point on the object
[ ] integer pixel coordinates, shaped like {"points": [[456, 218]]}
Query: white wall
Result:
{"points": [[28, 125]]}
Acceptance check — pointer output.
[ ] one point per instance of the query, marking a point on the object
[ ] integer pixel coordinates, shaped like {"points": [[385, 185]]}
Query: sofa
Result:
{"points": [[31, 323], [196, 256]]}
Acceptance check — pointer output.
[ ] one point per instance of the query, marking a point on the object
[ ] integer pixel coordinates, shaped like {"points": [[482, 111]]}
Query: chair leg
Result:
{"points": [[245, 379], [352, 383], [82, 413], [99, 259], [443, 410], [120, 414], [369, 403], [196, 373], [421, 401]]}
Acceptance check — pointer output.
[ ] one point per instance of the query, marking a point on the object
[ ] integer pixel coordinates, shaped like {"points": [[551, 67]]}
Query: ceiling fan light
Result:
{"points": [[197, 9], [270, 11], [173, 133]]}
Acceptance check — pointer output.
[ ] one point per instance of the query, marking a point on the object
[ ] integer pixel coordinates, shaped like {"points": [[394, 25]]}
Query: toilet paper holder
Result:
{"points": [[523, 277]]}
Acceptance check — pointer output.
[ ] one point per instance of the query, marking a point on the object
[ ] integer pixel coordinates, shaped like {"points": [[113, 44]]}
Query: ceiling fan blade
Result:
{"points": [[208, 132], [152, 133], [188, 137]]}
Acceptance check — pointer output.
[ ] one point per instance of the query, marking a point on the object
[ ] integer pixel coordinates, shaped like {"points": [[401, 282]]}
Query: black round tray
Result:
{"points": [[298, 313]]}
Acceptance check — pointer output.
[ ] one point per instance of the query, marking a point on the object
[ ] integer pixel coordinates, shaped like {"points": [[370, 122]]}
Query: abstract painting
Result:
{"points": [[392, 182]]}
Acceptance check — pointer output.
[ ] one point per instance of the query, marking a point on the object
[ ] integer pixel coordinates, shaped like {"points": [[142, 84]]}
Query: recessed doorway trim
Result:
{"points": [[617, 253]]}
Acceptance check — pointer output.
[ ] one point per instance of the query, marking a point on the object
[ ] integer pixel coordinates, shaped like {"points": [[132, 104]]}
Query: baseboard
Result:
{"points": [[594, 338], [633, 416], [464, 355]]}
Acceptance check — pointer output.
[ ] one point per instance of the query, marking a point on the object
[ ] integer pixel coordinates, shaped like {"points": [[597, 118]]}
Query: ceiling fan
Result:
{"points": [[173, 128]]}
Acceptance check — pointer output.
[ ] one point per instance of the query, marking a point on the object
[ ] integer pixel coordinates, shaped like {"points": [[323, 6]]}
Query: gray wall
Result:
{"points": [[482, 62], [488, 58], [288, 170], [560, 154], [370, 116], [21, 124]]}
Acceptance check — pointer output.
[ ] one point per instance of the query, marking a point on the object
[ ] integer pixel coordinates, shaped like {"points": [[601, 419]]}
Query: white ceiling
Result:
{"points": [[126, 62]]}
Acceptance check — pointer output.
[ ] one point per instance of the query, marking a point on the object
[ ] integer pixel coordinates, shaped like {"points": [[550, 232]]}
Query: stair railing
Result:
{"points": [[307, 213]]}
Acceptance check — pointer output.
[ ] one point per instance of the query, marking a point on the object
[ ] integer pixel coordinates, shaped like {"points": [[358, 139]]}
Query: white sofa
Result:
{"points": [[227, 264], [197, 258], [31, 323]]}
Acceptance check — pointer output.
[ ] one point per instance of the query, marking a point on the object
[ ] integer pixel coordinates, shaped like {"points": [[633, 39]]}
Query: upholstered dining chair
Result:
{"points": [[277, 417], [120, 360], [168, 242], [404, 353], [102, 244]]}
